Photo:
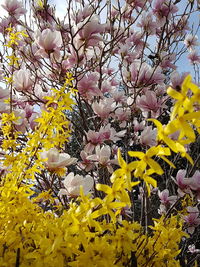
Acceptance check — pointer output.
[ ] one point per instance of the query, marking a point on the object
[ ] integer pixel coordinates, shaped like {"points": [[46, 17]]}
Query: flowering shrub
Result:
{"points": [[99, 135]]}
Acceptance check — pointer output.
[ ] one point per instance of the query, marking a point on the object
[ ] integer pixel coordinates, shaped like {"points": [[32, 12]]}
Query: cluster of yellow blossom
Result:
{"points": [[36, 238], [14, 38]]}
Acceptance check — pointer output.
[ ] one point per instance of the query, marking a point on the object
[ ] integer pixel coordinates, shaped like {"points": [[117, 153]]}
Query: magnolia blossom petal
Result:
{"points": [[88, 184], [22, 80], [73, 182], [56, 159]]}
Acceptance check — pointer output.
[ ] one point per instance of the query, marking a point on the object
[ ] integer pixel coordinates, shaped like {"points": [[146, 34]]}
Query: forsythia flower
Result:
{"points": [[117, 191], [124, 171], [146, 159], [182, 99]]}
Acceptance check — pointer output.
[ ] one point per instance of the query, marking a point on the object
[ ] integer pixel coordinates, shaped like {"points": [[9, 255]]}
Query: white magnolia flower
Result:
{"points": [[56, 160], [73, 182], [22, 80]]}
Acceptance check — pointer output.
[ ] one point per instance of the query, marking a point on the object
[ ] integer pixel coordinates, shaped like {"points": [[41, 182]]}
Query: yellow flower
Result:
{"points": [[13, 60], [117, 191], [196, 92], [146, 159], [181, 124], [182, 99], [112, 208], [125, 171], [162, 135], [175, 146], [149, 180]]}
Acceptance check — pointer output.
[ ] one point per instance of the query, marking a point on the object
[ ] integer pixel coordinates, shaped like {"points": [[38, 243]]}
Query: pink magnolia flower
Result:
{"points": [[108, 71], [108, 133], [102, 156], [32, 121], [21, 122], [42, 92], [28, 110], [192, 219], [149, 76], [138, 126], [56, 160], [147, 24], [88, 86], [104, 107], [149, 102], [177, 79], [194, 58], [163, 9], [145, 75], [160, 90], [118, 96], [77, 54], [122, 114], [165, 199], [136, 41], [49, 41], [148, 136], [20, 115], [127, 54], [187, 184], [136, 3], [182, 182], [94, 138], [5, 22], [194, 183], [22, 80], [106, 87], [73, 182], [4, 107], [89, 31], [181, 26], [167, 60], [45, 14], [14, 8], [82, 14], [86, 164], [4, 93], [191, 41], [126, 12], [162, 209]]}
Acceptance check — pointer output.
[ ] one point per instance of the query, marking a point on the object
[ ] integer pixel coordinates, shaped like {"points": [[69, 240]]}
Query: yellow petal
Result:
{"points": [[105, 188], [136, 154], [157, 123], [168, 161], [174, 94], [151, 181], [121, 161], [155, 166]]}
